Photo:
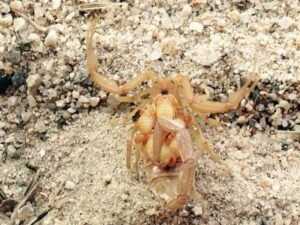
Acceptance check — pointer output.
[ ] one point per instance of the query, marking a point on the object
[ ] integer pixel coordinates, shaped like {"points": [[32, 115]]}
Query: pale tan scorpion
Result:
{"points": [[165, 129]]}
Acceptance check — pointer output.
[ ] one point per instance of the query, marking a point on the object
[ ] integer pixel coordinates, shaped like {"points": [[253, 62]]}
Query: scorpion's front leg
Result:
{"points": [[100, 80], [185, 185], [202, 106]]}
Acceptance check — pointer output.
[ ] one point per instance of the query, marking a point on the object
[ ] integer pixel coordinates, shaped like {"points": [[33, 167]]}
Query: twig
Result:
{"points": [[40, 217], [28, 194], [97, 6], [35, 25]]}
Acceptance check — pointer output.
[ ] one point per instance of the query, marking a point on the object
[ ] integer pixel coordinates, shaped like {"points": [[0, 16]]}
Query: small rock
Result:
{"points": [[2, 133], [56, 4], [186, 10], [12, 101], [285, 22], [33, 37], [83, 100], [155, 53], [234, 16], [197, 27], [166, 22], [52, 94], [16, 6], [12, 152], [4, 8], [71, 110], [284, 104], [94, 101], [69, 185], [60, 103], [18, 79], [20, 24], [3, 125], [26, 116], [107, 179], [66, 115], [26, 212], [6, 20], [76, 94], [198, 210], [31, 101], [276, 118], [242, 120], [205, 55], [51, 39], [33, 82], [40, 127], [13, 56]]}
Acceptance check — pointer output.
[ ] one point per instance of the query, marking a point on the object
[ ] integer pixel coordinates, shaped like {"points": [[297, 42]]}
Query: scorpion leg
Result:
{"points": [[100, 80], [185, 185], [234, 100], [203, 106]]}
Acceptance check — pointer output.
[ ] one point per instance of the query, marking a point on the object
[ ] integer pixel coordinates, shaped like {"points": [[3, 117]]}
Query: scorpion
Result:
{"points": [[165, 130]]}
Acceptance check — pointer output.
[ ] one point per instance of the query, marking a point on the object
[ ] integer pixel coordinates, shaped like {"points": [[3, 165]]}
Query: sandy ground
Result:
{"points": [[215, 43]]}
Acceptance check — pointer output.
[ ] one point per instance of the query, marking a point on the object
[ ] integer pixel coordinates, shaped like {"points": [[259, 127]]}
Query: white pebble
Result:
{"points": [[16, 6], [60, 103], [4, 8], [56, 4], [20, 24], [33, 37], [6, 20], [69, 185], [83, 100], [12, 101], [195, 26], [198, 210], [186, 10], [75, 94], [285, 23], [51, 39], [204, 54], [94, 101], [33, 82]]}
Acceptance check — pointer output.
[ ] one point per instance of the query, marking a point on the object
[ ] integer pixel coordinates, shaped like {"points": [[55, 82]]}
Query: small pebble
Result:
{"points": [[12, 152], [186, 10], [6, 20], [69, 185], [284, 104], [26, 212], [83, 100], [56, 4], [16, 6], [13, 56], [197, 210], [205, 55], [20, 24], [242, 120], [4, 8], [197, 27], [2, 133], [60, 103], [71, 110], [26, 116], [94, 101], [285, 22], [75, 94], [12, 101], [33, 82], [31, 101], [234, 16], [51, 39]]}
